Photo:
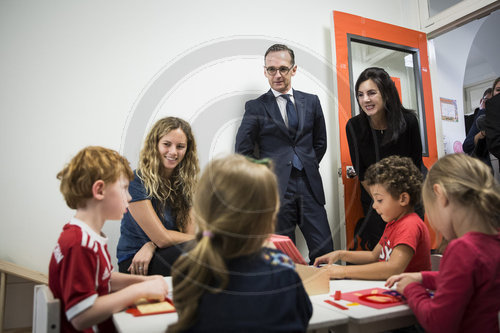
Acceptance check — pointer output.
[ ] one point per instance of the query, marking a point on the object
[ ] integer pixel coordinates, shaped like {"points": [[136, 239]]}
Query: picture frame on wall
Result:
{"points": [[449, 110]]}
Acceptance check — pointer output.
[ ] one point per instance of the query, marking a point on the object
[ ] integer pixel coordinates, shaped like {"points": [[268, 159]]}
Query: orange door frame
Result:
{"points": [[345, 24]]}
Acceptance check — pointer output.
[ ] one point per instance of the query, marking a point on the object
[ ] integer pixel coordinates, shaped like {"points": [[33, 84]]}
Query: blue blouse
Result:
{"points": [[132, 237]]}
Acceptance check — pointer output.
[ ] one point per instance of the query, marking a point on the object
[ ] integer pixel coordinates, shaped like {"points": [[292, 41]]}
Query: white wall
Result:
{"points": [[451, 57], [77, 73], [482, 67], [482, 62]]}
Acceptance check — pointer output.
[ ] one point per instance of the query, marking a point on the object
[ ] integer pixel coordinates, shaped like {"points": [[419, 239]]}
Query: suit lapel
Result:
{"points": [[300, 106]]}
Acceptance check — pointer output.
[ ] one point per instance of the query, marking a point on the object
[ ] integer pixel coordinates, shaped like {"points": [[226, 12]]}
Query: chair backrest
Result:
{"points": [[46, 310], [435, 260]]}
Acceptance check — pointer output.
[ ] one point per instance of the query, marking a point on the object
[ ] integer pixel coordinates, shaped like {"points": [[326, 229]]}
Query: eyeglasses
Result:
{"points": [[283, 70]]}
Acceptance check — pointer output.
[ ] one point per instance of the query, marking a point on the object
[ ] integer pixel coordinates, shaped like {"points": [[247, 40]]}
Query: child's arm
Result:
{"points": [[428, 280], [403, 280], [354, 257], [381, 270], [104, 306], [119, 281], [452, 298]]}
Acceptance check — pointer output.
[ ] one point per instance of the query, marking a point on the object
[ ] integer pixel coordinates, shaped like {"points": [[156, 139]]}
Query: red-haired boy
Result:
{"points": [[81, 276]]}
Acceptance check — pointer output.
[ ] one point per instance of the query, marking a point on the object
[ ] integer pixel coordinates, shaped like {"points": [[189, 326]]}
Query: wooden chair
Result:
{"points": [[46, 311], [8, 268], [435, 260]]}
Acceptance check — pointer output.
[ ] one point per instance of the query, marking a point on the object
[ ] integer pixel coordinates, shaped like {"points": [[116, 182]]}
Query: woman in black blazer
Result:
{"points": [[383, 128]]}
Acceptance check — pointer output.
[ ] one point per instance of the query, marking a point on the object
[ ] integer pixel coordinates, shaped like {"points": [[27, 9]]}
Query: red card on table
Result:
{"points": [[373, 297]]}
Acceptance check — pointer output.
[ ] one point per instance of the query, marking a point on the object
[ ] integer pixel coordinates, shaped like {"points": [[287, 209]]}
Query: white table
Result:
{"points": [[364, 318], [356, 319], [321, 320]]}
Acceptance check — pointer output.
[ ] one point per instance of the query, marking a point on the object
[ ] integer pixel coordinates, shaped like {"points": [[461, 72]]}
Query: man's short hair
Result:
{"points": [[280, 47]]}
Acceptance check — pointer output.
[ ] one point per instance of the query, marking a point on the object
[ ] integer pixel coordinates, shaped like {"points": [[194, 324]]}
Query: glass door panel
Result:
{"points": [[403, 65]]}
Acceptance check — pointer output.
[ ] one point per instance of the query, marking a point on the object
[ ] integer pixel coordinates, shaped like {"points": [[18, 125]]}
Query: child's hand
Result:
{"points": [[336, 271], [328, 258], [154, 287], [403, 280], [141, 260]]}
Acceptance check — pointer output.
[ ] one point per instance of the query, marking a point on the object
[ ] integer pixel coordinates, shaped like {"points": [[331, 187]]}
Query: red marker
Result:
{"points": [[337, 295], [336, 305]]}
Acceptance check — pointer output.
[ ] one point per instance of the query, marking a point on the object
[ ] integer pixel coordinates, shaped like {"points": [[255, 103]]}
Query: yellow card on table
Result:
{"points": [[155, 307]]}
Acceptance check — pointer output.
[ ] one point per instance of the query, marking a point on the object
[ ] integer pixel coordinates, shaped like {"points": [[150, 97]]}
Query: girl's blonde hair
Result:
{"points": [[467, 182], [235, 207], [177, 190]]}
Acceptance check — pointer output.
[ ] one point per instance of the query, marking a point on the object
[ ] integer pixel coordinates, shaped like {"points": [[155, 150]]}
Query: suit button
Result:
{"points": [[289, 163]]}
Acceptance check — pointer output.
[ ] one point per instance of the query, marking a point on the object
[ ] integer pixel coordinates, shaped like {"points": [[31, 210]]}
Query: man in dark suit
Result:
{"points": [[288, 126]]}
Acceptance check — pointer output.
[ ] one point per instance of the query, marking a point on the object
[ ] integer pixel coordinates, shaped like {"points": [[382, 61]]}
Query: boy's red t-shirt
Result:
{"points": [[409, 230], [79, 271]]}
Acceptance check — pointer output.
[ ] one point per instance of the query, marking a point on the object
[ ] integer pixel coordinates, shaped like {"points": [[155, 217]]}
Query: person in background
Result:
{"points": [[475, 143], [462, 200], [492, 123], [157, 228], [231, 282], [95, 183], [383, 128], [395, 184], [469, 119], [288, 126]]}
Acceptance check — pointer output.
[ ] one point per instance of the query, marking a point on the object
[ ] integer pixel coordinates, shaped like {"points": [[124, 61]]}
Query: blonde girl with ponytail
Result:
{"points": [[462, 200], [229, 281]]}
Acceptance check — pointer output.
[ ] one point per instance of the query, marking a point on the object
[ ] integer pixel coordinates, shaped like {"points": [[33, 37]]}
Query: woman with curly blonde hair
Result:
{"points": [[157, 226]]}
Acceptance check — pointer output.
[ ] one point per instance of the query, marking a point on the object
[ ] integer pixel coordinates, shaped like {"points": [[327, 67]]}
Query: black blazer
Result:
{"points": [[492, 125], [263, 133]]}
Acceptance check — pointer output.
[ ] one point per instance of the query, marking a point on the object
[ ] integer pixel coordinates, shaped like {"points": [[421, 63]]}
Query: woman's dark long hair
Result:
{"points": [[396, 123]]}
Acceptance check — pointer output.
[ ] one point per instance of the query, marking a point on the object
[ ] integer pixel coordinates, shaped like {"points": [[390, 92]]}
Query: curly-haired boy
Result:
{"points": [[395, 184]]}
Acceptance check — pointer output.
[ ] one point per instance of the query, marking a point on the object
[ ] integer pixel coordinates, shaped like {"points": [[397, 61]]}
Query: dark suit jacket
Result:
{"points": [[492, 125], [263, 133]]}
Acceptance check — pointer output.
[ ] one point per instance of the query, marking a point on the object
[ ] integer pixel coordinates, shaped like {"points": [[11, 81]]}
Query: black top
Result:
{"points": [[493, 125], [264, 294], [365, 143]]}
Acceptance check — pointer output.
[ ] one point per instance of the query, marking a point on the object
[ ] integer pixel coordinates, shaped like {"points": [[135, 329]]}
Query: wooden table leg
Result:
{"points": [[2, 298]]}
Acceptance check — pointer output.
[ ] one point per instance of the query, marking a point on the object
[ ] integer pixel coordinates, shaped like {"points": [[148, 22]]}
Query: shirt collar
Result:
{"points": [[277, 93], [102, 238]]}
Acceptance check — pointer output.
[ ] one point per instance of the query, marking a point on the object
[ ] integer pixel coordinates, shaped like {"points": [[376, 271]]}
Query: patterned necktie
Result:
{"points": [[293, 125]]}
